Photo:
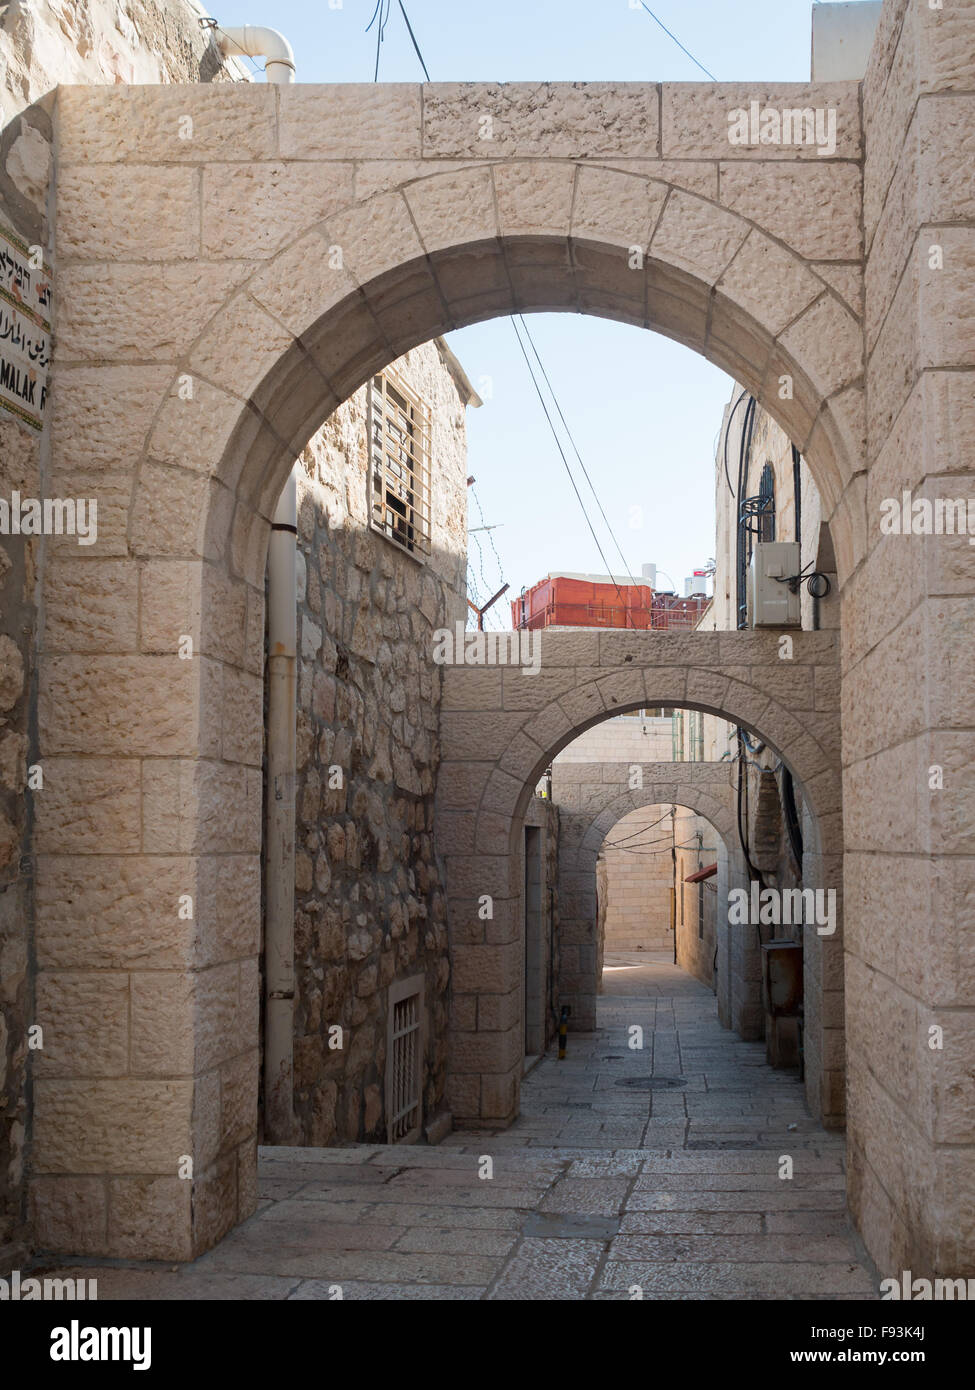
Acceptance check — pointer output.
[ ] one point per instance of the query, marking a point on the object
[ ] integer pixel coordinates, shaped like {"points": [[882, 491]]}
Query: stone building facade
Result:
{"points": [[370, 895], [764, 491], [43, 44], [848, 278]]}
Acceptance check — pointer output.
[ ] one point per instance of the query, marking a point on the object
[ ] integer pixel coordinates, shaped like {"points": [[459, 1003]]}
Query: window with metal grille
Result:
{"points": [[399, 464], [404, 1061]]}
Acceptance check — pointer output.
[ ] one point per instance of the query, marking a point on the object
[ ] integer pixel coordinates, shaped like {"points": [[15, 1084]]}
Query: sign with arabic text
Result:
{"points": [[25, 328]]}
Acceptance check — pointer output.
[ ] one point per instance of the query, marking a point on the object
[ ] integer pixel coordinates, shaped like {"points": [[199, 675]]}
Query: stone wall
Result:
{"points": [[637, 879], [541, 928], [370, 901], [44, 43], [627, 739], [908, 686], [699, 845]]}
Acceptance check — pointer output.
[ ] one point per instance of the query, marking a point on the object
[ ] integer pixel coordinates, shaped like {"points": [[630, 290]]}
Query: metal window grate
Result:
{"points": [[399, 464], [404, 1061]]}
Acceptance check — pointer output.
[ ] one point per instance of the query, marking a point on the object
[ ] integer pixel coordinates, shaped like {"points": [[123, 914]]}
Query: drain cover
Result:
{"points": [[651, 1083], [571, 1224]]}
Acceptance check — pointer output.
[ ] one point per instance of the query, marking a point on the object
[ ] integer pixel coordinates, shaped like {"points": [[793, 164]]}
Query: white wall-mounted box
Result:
{"points": [[771, 601]]}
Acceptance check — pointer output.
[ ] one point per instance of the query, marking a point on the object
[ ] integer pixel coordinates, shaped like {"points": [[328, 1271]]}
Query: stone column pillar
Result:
{"points": [[909, 678]]}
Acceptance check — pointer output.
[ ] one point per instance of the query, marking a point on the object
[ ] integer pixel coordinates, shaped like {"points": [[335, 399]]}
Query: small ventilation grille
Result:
{"points": [[404, 1061]]}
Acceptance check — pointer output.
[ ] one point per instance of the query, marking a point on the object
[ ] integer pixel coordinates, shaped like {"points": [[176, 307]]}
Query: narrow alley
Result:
{"points": [[651, 1171]]}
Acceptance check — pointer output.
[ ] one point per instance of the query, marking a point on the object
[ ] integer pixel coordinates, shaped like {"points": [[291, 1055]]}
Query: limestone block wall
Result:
{"points": [[754, 261], [698, 844], [908, 679], [595, 800], [542, 929], [370, 895], [42, 44], [636, 870], [624, 740]]}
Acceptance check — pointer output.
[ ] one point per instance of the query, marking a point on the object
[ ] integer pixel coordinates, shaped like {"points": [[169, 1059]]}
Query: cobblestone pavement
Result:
{"points": [[653, 1169]]}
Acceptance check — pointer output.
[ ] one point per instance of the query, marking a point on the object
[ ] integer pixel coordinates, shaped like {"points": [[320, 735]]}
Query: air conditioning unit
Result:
{"points": [[771, 600]]}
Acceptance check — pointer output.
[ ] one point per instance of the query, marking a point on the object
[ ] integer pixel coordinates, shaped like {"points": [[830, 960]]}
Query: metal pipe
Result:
{"points": [[257, 42], [279, 894]]}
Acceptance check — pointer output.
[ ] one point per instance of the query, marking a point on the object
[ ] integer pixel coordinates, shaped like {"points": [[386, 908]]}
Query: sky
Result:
{"points": [[644, 411]]}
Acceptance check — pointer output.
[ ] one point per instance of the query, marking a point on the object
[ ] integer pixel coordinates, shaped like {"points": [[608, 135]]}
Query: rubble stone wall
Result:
{"points": [[370, 896]]}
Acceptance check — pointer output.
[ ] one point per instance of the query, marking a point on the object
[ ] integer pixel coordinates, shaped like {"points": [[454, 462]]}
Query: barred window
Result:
{"points": [[399, 464]]}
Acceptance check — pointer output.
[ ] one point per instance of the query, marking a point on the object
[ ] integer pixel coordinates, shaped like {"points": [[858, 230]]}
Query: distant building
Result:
{"points": [[567, 599]]}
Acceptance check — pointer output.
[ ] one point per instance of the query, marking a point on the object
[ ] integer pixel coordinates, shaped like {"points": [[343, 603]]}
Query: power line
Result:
{"points": [[382, 13], [642, 831], [678, 42], [558, 445], [381, 31], [635, 849], [582, 465], [409, 27]]}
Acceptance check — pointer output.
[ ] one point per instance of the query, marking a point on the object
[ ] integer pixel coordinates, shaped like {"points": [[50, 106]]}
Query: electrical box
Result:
{"points": [[771, 601]]}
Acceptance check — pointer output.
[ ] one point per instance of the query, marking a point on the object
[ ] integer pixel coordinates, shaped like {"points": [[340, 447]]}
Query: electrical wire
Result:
{"points": [[642, 831], [378, 12], [383, 16], [687, 844], [416, 46], [592, 488], [565, 461], [726, 434], [678, 43]]}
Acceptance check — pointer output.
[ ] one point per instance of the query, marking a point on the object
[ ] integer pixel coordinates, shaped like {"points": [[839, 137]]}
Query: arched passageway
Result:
{"points": [[208, 407], [244, 310]]}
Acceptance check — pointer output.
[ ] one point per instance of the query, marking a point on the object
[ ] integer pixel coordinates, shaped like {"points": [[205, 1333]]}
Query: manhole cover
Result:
{"points": [[571, 1224], [651, 1083]]}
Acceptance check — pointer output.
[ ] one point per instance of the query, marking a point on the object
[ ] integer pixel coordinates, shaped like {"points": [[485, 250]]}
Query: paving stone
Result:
{"points": [[733, 1248], [737, 1201], [352, 1290], [740, 1279], [596, 1188], [696, 1223], [594, 1195], [455, 1242], [549, 1269]]}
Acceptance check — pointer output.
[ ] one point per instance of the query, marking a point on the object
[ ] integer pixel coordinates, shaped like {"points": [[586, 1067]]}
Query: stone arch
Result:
{"points": [[190, 400], [500, 730], [700, 800], [590, 803], [444, 250]]}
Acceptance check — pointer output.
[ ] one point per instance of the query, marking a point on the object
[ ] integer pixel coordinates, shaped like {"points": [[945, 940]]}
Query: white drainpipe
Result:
{"points": [[257, 42], [279, 896]]}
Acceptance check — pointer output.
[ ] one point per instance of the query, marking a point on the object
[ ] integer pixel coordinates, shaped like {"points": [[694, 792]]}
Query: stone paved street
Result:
{"points": [[654, 1168]]}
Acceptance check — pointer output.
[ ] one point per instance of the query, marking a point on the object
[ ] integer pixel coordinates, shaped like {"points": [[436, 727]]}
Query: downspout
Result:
{"points": [[257, 42], [279, 865]]}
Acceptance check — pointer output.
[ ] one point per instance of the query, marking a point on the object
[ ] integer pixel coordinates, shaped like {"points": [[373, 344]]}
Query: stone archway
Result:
{"points": [[258, 275], [502, 727], [592, 798]]}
